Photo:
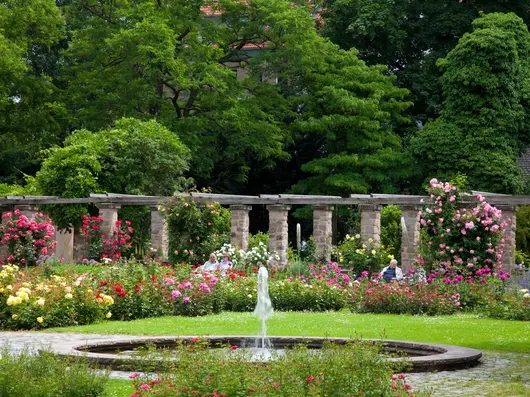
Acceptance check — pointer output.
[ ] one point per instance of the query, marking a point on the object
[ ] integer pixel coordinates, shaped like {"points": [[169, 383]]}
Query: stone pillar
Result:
{"points": [[323, 231], [508, 256], [159, 233], [370, 222], [64, 249], [278, 231], [27, 210], [109, 214], [239, 226], [410, 239]]}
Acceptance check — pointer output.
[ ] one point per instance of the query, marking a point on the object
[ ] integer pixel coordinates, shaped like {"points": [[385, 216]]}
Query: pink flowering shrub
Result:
{"points": [[460, 240], [25, 240], [101, 246]]}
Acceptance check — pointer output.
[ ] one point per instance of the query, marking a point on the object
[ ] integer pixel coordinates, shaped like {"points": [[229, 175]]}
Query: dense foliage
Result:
{"points": [[483, 126], [299, 372], [26, 373], [125, 159], [196, 231]]}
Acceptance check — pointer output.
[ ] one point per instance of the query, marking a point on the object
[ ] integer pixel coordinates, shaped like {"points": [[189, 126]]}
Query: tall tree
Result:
{"points": [[409, 36], [176, 61], [351, 110], [485, 121], [30, 114]]}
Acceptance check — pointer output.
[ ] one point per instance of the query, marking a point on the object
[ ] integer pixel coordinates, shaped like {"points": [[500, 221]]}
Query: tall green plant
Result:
{"points": [[196, 231], [484, 123]]}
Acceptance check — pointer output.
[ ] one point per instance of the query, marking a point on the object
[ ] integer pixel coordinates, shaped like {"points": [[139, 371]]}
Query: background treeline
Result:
{"points": [[338, 97]]}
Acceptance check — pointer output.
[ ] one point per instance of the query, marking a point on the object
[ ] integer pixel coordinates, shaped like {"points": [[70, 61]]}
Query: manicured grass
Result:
{"points": [[463, 330], [119, 388]]}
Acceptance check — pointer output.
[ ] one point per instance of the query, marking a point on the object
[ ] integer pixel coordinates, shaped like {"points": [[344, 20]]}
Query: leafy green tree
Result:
{"points": [[134, 157], [176, 61], [409, 36], [350, 110], [484, 123], [30, 114]]}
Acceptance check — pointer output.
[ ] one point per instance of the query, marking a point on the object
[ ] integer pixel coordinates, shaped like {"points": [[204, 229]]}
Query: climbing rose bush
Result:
{"points": [[101, 246], [460, 240], [25, 240]]}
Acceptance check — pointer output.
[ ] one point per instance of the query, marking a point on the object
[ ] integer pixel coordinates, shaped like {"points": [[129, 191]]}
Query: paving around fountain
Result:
{"points": [[468, 382]]}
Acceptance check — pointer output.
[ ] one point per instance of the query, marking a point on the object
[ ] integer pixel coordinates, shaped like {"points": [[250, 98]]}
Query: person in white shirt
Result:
{"points": [[392, 272], [211, 265]]}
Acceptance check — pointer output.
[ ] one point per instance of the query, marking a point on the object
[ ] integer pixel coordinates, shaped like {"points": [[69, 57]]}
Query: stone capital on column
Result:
{"points": [[239, 207], [278, 207]]}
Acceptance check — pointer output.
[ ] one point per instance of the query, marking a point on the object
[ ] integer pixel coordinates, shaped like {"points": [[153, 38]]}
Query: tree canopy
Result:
{"points": [[484, 122]]}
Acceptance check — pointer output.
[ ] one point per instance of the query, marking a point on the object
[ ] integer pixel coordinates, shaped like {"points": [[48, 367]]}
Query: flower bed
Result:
{"points": [[353, 369], [32, 300]]}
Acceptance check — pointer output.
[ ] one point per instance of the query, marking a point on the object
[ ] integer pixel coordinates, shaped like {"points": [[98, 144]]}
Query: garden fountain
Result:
{"points": [[120, 354], [264, 306]]}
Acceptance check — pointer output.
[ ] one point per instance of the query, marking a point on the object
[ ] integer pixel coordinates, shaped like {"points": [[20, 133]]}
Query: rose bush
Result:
{"points": [[25, 240], [460, 241], [196, 231], [31, 300]]}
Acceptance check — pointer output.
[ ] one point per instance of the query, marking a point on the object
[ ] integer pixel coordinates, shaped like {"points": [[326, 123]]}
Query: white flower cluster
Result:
{"points": [[239, 258]]}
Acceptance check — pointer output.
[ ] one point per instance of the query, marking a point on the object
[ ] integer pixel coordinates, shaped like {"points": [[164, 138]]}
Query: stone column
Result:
{"points": [[80, 244], [278, 231], [508, 256], [27, 210], [323, 231], [109, 214], [64, 249], [239, 226], [370, 222], [410, 239], [159, 233]]}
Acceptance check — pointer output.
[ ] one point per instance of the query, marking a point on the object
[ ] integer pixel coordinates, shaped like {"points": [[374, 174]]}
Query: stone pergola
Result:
{"points": [[278, 207]]}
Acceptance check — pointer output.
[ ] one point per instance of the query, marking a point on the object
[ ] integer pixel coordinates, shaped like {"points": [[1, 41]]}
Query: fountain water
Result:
{"points": [[264, 306]]}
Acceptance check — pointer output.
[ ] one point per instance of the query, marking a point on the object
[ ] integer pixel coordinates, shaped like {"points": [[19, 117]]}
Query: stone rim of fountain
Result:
{"points": [[441, 357]]}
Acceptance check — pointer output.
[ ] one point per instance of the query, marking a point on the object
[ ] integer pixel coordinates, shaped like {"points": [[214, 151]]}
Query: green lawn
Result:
{"points": [[463, 330]]}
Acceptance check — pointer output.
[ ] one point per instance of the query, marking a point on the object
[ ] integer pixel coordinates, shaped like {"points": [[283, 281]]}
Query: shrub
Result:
{"points": [[397, 298], [195, 231], [25, 240], [459, 240], [138, 290], [31, 300], [254, 240], [510, 306], [361, 257], [101, 246], [353, 369], [37, 375]]}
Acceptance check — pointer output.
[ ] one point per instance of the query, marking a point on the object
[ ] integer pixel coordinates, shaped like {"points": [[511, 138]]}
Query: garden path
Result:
{"points": [[508, 371]]}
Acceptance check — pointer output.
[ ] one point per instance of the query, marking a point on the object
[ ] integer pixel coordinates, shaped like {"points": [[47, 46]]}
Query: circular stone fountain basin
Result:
{"points": [[121, 354]]}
